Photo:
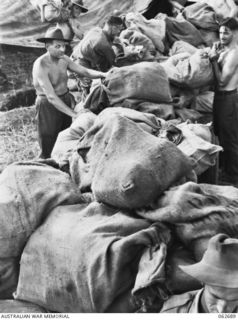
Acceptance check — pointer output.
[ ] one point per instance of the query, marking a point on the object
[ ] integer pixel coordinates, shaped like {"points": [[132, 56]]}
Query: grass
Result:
{"points": [[18, 136]]}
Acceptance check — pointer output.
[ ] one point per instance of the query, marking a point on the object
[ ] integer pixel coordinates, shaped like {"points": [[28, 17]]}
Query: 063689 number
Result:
{"points": [[227, 316]]}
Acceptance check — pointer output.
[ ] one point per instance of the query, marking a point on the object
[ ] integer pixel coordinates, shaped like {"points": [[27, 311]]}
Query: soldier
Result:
{"points": [[218, 271], [54, 103], [223, 57]]}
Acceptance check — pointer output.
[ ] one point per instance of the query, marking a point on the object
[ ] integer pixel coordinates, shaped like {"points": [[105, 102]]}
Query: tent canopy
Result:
{"points": [[20, 22]]}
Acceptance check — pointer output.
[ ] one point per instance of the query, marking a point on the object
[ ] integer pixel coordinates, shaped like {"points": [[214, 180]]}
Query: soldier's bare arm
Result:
{"points": [[84, 72]]}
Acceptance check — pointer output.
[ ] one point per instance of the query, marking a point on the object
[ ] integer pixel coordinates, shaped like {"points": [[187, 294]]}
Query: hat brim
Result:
{"points": [[44, 40], [84, 10], [211, 275]]}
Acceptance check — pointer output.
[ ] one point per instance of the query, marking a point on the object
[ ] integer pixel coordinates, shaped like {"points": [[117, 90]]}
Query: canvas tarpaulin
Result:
{"points": [[20, 22]]}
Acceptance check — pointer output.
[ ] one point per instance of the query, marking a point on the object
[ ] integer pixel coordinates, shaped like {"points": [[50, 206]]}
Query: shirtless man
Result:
{"points": [[54, 103], [225, 106]]}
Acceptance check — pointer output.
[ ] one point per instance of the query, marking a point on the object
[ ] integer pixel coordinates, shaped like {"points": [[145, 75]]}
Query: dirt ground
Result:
{"points": [[18, 136]]}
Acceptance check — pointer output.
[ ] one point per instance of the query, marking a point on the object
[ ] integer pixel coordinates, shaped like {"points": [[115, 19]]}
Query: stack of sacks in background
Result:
{"points": [[203, 17], [163, 31], [134, 46], [223, 8], [154, 29], [191, 76], [150, 41], [195, 27]]}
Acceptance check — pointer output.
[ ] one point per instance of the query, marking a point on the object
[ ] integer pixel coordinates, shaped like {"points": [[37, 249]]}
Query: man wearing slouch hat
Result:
{"points": [[54, 103], [218, 271]]}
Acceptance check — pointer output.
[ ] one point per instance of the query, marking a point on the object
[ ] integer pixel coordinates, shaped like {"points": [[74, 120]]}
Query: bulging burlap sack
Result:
{"points": [[201, 16], [130, 167], [154, 29], [28, 192], [136, 38], [82, 258], [203, 152], [222, 8], [80, 163], [180, 29], [192, 71], [67, 139], [198, 212], [181, 47], [145, 80]]}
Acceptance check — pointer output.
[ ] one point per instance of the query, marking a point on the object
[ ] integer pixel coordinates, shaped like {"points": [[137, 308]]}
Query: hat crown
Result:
{"points": [[219, 265], [56, 34], [222, 253], [53, 34]]}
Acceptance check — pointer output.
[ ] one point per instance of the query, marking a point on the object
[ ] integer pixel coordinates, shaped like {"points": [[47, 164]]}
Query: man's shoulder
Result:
{"points": [[176, 302], [232, 54], [41, 61]]}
